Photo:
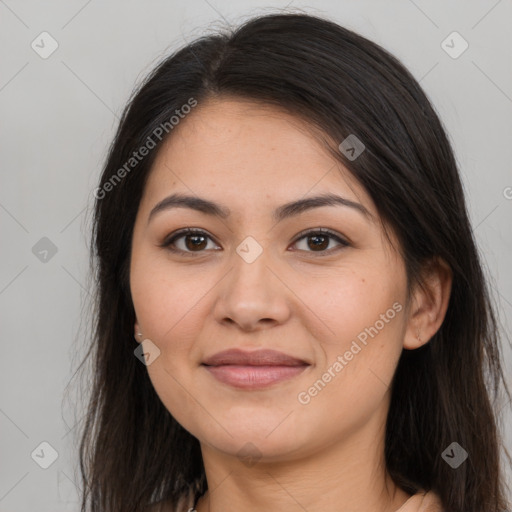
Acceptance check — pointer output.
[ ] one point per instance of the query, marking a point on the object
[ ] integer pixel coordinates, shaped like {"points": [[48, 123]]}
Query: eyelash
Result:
{"points": [[169, 241]]}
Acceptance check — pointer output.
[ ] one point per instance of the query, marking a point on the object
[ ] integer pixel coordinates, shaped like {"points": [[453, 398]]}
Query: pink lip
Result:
{"points": [[253, 370]]}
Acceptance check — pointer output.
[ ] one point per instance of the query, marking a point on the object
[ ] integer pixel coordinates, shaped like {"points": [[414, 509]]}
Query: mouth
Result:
{"points": [[253, 370]]}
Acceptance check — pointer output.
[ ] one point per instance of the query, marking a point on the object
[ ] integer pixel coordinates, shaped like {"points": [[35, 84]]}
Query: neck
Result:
{"points": [[348, 475]]}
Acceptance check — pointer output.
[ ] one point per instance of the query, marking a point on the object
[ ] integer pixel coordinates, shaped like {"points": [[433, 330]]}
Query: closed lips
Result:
{"points": [[255, 358], [251, 371]]}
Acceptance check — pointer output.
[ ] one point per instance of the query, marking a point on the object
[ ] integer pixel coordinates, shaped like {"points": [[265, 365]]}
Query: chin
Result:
{"points": [[254, 438], [249, 449]]}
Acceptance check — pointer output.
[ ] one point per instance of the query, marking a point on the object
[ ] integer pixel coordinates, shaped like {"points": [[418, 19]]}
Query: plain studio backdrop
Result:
{"points": [[67, 70]]}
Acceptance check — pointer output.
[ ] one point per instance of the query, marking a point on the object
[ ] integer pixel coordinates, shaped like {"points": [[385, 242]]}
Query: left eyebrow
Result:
{"points": [[282, 212], [302, 205]]}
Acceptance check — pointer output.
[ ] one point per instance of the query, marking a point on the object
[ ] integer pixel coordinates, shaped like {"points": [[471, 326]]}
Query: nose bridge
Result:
{"points": [[250, 277], [251, 292]]}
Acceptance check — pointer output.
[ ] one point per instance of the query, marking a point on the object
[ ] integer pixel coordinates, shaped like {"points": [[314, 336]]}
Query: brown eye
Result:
{"points": [[319, 240], [193, 242], [187, 241]]}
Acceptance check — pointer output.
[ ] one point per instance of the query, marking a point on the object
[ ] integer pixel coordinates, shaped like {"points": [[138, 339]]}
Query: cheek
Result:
{"points": [[363, 318], [354, 300], [169, 310], [166, 301]]}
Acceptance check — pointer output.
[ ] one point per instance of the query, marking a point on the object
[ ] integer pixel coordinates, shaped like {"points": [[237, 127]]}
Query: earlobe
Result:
{"points": [[137, 332], [429, 304]]}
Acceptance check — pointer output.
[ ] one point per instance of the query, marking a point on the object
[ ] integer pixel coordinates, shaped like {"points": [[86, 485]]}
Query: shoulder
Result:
{"points": [[422, 501]]}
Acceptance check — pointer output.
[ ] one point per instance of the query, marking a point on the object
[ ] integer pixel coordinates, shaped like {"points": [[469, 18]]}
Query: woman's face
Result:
{"points": [[255, 279]]}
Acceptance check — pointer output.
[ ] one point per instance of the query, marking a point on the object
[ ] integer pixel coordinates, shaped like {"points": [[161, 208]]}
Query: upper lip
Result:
{"points": [[254, 358]]}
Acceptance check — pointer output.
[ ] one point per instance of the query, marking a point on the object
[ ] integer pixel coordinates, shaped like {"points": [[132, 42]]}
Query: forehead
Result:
{"points": [[246, 150]]}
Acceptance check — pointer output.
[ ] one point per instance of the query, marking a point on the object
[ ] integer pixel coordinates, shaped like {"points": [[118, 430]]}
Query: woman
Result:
{"points": [[281, 226]]}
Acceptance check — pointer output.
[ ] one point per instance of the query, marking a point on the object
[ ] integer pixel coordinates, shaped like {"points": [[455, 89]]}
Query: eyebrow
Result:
{"points": [[282, 212]]}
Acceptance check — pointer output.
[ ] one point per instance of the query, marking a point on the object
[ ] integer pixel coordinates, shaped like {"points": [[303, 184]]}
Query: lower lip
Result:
{"points": [[254, 377]]}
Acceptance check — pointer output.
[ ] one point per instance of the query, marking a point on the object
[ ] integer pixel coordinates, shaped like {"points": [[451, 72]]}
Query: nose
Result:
{"points": [[253, 295]]}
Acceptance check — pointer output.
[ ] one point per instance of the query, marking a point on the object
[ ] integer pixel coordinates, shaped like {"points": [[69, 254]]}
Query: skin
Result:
{"points": [[327, 454]]}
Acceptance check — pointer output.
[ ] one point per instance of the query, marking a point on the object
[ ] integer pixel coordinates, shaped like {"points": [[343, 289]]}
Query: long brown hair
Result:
{"points": [[132, 451]]}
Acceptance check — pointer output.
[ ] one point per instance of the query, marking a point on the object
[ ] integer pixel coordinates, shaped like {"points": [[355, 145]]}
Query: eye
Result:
{"points": [[187, 241], [194, 240], [319, 240]]}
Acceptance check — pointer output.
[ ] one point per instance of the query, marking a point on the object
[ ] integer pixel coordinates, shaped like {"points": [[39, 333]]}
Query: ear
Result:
{"points": [[429, 303]]}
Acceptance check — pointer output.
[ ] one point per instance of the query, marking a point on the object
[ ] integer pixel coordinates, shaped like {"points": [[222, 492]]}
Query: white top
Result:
{"points": [[422, 502]]}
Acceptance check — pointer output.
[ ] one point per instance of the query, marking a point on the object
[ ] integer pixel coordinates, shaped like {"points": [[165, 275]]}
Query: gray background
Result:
{"points": [[60, 113]]}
